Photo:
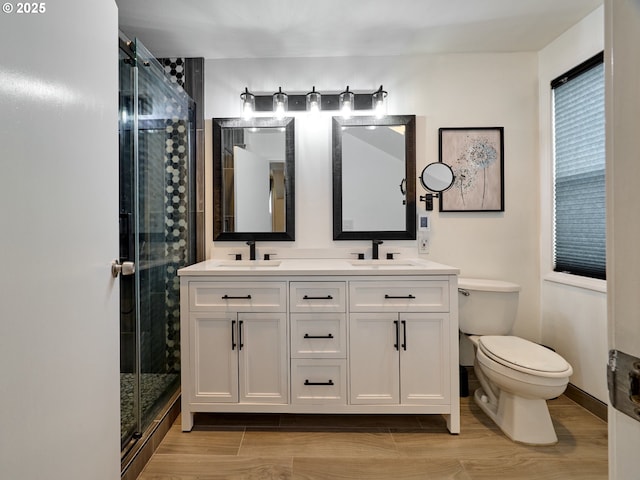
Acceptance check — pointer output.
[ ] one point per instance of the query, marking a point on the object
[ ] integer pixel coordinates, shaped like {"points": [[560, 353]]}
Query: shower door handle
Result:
{"points": [[124, 268]]}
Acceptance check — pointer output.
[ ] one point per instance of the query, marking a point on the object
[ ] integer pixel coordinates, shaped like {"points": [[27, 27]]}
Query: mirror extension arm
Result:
{"points": [[436, 177]]}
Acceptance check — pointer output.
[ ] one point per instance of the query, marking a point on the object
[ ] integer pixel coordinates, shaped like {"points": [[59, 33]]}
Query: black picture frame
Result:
{"points": [[476, 155]]}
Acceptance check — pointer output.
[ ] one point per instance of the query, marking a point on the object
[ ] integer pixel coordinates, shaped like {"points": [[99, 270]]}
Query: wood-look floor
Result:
{"points": [[387, 447]]}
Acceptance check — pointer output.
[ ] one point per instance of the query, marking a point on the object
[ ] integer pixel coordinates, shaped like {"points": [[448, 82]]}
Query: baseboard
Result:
{"points": [[586, 401], [135, 460]]}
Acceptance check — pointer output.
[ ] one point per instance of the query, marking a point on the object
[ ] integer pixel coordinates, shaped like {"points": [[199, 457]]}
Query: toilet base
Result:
{"points": [[523, 420]]}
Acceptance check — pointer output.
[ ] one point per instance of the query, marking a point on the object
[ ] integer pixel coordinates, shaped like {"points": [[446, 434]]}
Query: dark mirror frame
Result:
{"points": [[265, 122], [409, 121]]}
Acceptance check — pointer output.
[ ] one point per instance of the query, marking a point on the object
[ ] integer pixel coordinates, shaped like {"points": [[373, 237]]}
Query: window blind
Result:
{"points": [[579, 150]]}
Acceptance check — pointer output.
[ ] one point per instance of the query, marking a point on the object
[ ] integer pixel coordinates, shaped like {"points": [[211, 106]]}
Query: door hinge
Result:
{"points": [[623, 379]]}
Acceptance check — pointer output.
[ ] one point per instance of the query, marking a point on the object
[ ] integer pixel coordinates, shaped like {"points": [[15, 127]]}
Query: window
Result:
{"points": [[579, 181]]}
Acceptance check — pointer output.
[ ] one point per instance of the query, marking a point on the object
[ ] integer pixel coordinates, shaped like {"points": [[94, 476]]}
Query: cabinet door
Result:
{"points": [[373, 358], [214, 358], [425, 373], [263, 358]]}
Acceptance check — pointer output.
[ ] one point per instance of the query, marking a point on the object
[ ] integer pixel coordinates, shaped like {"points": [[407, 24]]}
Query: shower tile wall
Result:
{"points": [[177, 208]]}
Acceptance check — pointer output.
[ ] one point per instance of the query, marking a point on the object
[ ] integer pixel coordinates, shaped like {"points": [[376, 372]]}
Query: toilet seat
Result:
{"points": [[524, 356]]}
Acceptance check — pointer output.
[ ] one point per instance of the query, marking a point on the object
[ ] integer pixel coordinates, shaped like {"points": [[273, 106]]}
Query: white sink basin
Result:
{"points": [[250, 263], [382, 263]]}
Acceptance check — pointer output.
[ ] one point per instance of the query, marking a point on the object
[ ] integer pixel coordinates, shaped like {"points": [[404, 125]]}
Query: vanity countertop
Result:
{"points": [[318, 266]]}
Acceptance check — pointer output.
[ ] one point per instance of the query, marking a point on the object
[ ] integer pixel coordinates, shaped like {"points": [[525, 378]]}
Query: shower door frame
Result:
{"points": [[151, 258]]}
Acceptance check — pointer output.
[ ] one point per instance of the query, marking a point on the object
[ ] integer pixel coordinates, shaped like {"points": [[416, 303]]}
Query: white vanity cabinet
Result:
{"points": [[399, 343], [322, 336], [237, 343]]}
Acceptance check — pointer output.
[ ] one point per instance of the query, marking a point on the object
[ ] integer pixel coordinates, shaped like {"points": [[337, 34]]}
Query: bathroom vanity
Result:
{"points": [[332, 336]]}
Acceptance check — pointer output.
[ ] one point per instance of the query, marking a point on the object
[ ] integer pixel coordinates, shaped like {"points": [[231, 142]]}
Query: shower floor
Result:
{"points": [[154, 386]]}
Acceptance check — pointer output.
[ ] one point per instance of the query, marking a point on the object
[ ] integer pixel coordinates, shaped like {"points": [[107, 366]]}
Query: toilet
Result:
{"points": [[517, 376]]}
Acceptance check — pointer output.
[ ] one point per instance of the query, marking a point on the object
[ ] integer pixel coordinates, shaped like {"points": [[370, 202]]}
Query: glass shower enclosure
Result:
{"points": [[157, 234]]}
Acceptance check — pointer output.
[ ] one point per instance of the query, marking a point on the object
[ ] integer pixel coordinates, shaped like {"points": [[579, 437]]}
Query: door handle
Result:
{"points": [[240, 327], [404, 338], [395, 322], [233, 335], [124, 268], [634, 383]]}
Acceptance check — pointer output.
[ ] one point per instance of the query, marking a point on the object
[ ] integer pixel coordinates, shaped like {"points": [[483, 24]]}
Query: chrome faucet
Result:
{"points": [[375, 244], [252, 249]]}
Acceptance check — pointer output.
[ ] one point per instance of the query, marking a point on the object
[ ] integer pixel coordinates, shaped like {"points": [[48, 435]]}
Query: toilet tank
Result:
{"points": [[487, 307]]}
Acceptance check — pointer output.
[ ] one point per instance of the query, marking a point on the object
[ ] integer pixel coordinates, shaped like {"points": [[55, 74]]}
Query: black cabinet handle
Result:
{"points": [[240, 344], [306, 335], [307, 297], [404, 339], [329, 383], [228, 297], [233, 334], [395, 322], [399, 296]]}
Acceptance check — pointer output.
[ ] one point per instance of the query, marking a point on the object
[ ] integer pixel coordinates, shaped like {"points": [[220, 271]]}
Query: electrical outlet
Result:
{"points": [[423, 244]]}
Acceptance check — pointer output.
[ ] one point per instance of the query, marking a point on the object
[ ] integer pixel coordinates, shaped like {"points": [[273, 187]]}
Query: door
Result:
{"points": [[263, 358], [59, 303], [214, 357], [622, 35], [156, 235], [374, 360], [424, 357], [129, 386]]}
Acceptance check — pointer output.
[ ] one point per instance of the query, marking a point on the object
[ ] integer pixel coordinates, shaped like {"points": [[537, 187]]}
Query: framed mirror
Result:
{"points": [[253, 179], [374, 178]]}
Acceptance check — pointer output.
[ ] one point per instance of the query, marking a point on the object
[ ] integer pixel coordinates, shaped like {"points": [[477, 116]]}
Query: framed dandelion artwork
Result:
{"points": [[476, 156]]}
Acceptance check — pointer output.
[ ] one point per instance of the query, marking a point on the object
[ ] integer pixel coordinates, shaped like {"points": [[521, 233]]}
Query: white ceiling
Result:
{"points": [[320, 28]]}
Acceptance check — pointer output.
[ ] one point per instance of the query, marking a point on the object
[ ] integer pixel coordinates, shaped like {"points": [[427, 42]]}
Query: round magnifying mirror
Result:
{"points": [[437, 177]]}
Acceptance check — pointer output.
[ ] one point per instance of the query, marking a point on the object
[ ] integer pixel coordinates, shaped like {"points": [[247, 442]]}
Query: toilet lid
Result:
{"points": [[522, 354]]}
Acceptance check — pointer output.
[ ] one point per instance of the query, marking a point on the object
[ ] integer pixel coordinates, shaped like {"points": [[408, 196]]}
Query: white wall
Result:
{"points": [[573, 311], [462, 90], [59, 345]]}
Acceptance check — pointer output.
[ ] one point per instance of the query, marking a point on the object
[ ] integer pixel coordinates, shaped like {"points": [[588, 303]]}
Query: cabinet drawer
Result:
{"points": [[318, 335], [400, 296], [319, 382], [238, 296], [317, 296]]}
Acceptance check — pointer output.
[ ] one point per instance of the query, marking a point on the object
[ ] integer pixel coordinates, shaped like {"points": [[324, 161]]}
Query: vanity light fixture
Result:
{"points": [[346, 102], [314, 101], [379, 102], [280, 103], [248, 104]]}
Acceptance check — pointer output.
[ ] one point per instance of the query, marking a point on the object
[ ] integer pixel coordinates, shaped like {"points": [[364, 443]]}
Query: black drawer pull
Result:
{"points": [[329, 383], [306, 335], [307, 297], [228, 297], [399, 296]]}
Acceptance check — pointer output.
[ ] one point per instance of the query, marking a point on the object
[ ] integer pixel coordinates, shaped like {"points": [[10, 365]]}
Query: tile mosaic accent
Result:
{"points": [[175, 70], [177, 212]]}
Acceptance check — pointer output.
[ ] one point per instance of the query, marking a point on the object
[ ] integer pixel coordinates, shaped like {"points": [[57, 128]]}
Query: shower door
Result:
{"points": [[156, 235]]}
